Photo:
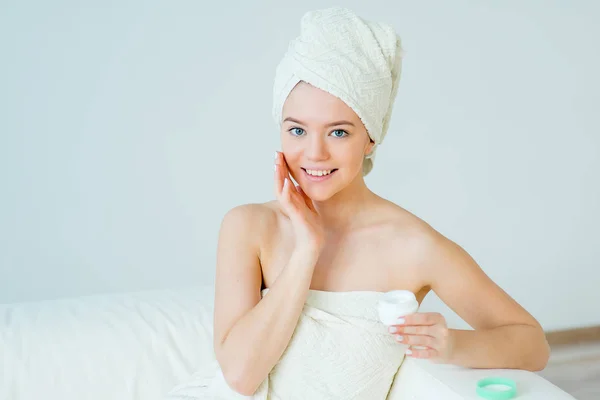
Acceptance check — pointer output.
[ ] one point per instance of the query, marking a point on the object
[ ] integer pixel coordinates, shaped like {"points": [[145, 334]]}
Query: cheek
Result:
{"points": [[289, 147], [292, 155], [351, 155], [289, 143]]}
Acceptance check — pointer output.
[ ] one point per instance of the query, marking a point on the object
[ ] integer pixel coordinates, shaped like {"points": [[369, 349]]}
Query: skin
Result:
{"points": [[337, 235]]}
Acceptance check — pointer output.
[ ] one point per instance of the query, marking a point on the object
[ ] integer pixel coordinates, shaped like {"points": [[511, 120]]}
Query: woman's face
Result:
{"points": [[321, 135]]}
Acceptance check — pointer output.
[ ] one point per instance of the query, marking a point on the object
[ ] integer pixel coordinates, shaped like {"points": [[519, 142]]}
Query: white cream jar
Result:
{"points": [[395, 304]]}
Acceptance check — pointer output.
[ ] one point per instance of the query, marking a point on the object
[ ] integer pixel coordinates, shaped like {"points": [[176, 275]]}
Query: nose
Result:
{"points": [[316, 149]]}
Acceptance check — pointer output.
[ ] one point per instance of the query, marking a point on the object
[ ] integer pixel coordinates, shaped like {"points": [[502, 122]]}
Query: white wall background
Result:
{"points": [[128, 129]]}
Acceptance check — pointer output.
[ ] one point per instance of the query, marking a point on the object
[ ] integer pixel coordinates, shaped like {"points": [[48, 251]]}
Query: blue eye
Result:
{"points": [[339, 133], [344, 133], [296, 129]]}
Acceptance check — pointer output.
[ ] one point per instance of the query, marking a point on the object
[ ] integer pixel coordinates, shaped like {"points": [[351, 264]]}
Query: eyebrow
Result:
{"points": [[343, 122]]}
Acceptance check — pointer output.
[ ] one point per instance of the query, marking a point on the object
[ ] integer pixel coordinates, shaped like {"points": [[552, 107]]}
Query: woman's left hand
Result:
{"points": [[429, 332]]}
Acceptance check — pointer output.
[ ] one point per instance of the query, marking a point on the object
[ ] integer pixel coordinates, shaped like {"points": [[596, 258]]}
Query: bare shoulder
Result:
{"points": [[418, 240], [407, 227], [250, 214], [251, 219], [431, 251]]}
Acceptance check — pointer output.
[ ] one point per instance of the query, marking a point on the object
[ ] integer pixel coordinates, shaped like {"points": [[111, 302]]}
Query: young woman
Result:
{"points": [[298, 277]]}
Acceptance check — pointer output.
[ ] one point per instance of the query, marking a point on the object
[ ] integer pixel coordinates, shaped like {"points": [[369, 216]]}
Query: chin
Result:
{"points": [[318, 193], [319, 196], [322, 191]]}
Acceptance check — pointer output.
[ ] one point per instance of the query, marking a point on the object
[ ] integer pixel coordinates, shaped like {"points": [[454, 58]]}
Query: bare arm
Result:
{"points": [[251, 334], [505, 335]]}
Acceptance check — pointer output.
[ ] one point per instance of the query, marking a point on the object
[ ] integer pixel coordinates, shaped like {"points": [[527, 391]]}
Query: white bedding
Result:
{"points": [[110, 346], [138, 346]]}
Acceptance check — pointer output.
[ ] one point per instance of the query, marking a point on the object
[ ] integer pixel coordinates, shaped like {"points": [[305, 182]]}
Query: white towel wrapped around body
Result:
{"points": [[339, 350], [356, 60]]}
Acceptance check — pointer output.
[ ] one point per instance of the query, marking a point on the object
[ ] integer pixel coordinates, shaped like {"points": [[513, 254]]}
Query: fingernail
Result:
{"points": [[409, 352], [275, 167], [393, 329], [399, 321], [399, 338], [276, 155]]}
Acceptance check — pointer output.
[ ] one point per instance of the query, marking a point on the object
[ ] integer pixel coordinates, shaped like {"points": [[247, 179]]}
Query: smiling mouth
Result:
{"points": [[318, 173]]}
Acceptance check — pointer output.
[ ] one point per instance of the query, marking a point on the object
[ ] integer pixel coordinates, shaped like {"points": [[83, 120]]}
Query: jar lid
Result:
{"points": [[484, 388], [395, 304], [398, 296]]}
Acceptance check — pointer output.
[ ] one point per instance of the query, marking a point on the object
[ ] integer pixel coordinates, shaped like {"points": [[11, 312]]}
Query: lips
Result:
{"points": [[317, 178], [318, 172]]}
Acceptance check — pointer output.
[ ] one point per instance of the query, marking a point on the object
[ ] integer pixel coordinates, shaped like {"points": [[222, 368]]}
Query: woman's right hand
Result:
{"points": [[305, 220]]}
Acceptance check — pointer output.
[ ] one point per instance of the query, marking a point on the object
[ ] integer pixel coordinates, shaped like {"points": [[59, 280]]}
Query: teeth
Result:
{"points": [[318, 173]]}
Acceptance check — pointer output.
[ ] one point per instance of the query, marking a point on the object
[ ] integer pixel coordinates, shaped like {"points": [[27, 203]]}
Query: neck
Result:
{"points": [[347, 207]]}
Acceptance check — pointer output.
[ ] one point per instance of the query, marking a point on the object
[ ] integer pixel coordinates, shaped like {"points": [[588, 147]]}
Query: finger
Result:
{"points": [[420, 319], [285, 167], [286, 193], [278, 176], [307, 200], [283, 173], [428, 330], [296, 195], [300, 194], [422, 353], [292, 197], [416, 340], [289, 198]]}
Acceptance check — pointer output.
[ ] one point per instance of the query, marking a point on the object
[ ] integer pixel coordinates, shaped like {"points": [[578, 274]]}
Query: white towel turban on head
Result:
{"points": [[355, 60]]}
